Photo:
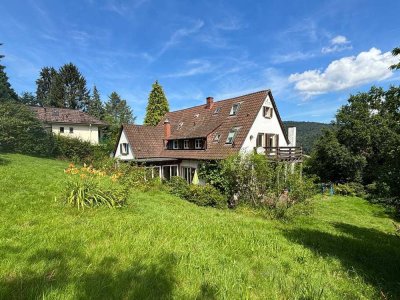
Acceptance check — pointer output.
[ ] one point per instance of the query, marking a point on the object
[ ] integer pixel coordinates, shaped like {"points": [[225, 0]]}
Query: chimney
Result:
{"points": [[210, 102], [292, 136], [167, 129]]}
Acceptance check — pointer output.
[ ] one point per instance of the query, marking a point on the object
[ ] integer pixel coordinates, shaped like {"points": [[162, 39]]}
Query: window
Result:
{"points": [[61, 129], [234, 109], [175, 144], [185, 144], [217, 110], [259, 142], [169, 171], [71, 130], [217, 136], [231, 135], [124, 148], [187, 174], [267, 112], [198, 143]]}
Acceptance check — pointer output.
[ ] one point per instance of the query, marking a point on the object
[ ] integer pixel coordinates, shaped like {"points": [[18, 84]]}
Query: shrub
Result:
{"points": [[206, 195], [134, 176], [350, 189], [88, 187], [179, 187], [22, 132]]}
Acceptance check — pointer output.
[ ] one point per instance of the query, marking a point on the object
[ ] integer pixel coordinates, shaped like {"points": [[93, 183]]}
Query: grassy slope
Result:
{"points": [[162, 247]]}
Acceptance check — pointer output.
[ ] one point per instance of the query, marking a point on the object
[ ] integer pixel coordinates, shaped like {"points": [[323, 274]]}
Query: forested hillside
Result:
{"points": [[307, 133]]}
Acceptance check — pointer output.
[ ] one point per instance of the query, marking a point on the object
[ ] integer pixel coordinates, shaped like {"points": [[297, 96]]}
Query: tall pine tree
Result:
{"points": [[44, 84], [28, 98], [95, 107], [118, 111], [6, 91], [157, 105], [72, 84]]}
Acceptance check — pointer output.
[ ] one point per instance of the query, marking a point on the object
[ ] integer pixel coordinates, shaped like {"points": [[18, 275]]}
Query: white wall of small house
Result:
{"points": [[263, 125], [118, 154], [83, 132]]}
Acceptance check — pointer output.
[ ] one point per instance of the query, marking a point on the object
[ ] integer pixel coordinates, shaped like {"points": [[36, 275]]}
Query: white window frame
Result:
{"points": [[232, 135], [124, 148], [186, 173], [170, 172], [175, 144], [234, 109], [185, 144], [268, 112], [217, 111], [198, 144]]}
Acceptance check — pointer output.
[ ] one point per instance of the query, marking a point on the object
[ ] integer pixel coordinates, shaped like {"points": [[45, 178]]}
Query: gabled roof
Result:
{"points": [[200, 122], [64, 115]]}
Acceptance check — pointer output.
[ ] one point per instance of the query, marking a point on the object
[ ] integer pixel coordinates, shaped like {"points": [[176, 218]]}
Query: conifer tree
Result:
{"points": [[118, 111], [71, 83], [6, 91], [95, 107], [157, 105], [44, 83], [28, 98]]}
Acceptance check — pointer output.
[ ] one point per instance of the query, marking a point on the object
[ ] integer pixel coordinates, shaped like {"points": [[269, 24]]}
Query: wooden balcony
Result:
{"points": [[285, 154]]}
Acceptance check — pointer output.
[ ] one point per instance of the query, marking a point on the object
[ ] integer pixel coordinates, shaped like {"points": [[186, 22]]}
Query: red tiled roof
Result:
{"points": [[199, 121], [64, 115]]}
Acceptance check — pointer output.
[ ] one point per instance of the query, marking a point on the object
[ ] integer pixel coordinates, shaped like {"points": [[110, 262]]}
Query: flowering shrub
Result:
{"points": [[89, 187]]}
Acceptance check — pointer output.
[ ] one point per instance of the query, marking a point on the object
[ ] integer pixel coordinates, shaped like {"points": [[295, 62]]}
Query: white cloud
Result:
{"points": [[293, 56], [337, 44], [344, 73], [195, 67]]}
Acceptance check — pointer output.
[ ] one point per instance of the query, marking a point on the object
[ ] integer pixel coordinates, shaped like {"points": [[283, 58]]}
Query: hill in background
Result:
{"points": [[307, 133]]}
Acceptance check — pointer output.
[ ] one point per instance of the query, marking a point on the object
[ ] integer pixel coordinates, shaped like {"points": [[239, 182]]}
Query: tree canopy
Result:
{"points": [[6, 91], [95, 106], [157, 105]]}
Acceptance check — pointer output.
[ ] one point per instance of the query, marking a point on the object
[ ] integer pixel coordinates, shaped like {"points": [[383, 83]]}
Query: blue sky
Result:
{"points": [[312, 54]]}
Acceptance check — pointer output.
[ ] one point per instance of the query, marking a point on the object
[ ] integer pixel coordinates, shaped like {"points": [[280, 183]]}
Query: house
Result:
{"points": [[70, 123], [211, 131]]}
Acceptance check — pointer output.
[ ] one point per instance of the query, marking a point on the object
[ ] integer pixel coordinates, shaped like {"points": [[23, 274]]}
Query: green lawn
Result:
{"points": [[160, 247]]}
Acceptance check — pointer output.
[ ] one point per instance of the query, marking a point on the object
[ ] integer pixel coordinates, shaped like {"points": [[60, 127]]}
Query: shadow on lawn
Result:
{"points": [[4, 161], [139, 281], [372, 254]]}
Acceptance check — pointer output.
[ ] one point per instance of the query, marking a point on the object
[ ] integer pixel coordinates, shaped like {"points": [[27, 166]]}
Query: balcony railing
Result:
{"points": [[289, 154]]}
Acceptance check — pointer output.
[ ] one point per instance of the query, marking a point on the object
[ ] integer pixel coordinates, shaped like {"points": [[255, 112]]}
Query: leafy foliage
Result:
{"points": [[157, 105], [28, 98], [95, 106], [202, 195], [350, 189], [6, 91], [88, 187], [78, 151], [395, 52], [22, 132]]}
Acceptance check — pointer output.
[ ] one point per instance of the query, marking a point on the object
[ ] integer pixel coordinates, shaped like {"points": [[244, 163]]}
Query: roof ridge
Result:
{"points": [[262, 91]]}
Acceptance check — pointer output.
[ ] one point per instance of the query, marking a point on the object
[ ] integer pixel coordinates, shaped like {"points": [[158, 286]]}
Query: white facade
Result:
{"points": [[124, 156], [89, 133], [266, 126]]}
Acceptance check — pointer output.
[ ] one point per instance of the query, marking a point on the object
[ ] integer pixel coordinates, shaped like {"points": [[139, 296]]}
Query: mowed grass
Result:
{"points": [[161, 247]]}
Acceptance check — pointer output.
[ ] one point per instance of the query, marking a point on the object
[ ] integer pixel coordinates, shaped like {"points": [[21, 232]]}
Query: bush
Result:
{"points": [[88, 187], [22, 132], [179, 187], [78, 151], [350, 189], [134, 176], [206, 195]]}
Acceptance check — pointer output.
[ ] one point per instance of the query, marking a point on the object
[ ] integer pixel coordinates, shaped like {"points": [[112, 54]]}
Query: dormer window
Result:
{"points": [[180, 125], [198, 143], [234, 109], [124, 148], [185, 144], [232, 135], [175, 144], [267, 112], [216, 138], [217, 110]]}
